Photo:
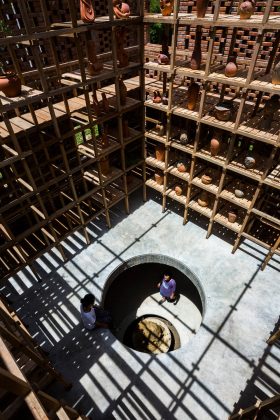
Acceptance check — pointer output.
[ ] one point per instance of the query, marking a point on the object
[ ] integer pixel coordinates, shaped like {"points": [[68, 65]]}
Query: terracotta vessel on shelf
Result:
{"points": [[249, 162], [276, 75], [164, 99], [203, 199], [192, 94], [232, 215], [231, 67], [166, 7], [10, 85], [201, 7], [123, 91], [95, 104], [246, 9], [196, 55], [223, 111], [184, 138], [206, 179], [181, 167], [157, 97], [125, 128], [163, 59], [105, 103], [215, 144], [160, 153], [159, 178], [122, 55], [87, 12], [178, 190], [160, 129], [238, 193], [94, 65], [121, 9], [105, 166]]}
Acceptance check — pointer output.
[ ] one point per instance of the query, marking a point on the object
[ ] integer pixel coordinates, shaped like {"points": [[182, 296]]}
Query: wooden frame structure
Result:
{"points": [[255, 42], [56, 174]]}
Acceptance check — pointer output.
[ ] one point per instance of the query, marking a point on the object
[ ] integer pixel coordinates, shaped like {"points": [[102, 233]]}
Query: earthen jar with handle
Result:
{"points": [[87, 11], [231, 67]]}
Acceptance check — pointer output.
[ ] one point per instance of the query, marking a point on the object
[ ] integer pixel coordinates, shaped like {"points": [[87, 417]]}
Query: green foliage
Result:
{"points": [[154, 6], [156, 30], [4, 28]]}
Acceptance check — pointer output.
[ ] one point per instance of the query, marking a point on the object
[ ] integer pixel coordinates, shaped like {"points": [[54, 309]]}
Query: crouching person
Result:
{"points": [[92, 316]]}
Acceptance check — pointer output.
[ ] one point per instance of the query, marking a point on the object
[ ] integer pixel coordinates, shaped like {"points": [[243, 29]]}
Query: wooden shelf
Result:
{"points": [[206, 211], [158, 18], [158, 67], [182, 175], [28, 95], [212, 188], [245, 202], [152, 184], [182, 199], [155, 163], [92, 176], [153, 135]]}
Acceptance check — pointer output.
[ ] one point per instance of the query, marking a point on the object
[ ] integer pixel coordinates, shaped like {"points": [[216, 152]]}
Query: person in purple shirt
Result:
{"points": [[167, 288]]}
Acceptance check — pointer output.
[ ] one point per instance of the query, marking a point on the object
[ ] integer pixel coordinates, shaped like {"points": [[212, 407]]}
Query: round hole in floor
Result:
{"points": [[139, 321]]}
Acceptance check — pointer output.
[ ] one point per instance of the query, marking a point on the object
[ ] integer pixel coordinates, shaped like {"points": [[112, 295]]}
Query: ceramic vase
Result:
{"points": [[125, 129], [196, 55], [166, 7], [123, 92], [181, 167], [178, 190], [86, 11], [159, 178], [203, 199], [163, 59], [160, 153], [201, 7], [121, 9], [160, 129], [246, 9], [184, 138], [206, 179], [249, 162], [276, 75], [232, 215], [10, 85], [231, 67], [215, 144], [193, 93]]}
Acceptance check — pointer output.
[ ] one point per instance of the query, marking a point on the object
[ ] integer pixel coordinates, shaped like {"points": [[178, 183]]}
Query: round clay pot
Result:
{"points": [[232, 215], [206, 179], [160, 129], [215, 145], [125, 8], [159, 179], [11, 85], [178, 190], [203, 199], [223, 111], [246, 9], [163, 59], [276, 75], [249, 162], [192, 95], [201, 7], [231, 67], [238, 193], [181, 167], [184, 138], [121, 12], [160, 153], [166, 7]]}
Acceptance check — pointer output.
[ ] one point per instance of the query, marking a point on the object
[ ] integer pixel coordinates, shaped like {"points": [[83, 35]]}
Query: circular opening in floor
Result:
{"points": [[139, 321]]}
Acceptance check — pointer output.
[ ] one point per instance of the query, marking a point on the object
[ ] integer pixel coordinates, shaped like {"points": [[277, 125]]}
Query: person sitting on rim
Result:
{"points": [[167, 288], [92, 316]]}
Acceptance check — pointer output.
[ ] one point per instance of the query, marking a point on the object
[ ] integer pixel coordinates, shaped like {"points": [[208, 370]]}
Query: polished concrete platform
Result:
{"points": [[201, 380]]}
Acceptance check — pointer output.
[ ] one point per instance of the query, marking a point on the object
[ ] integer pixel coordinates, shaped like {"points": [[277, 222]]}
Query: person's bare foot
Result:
{"points": [[162, 301]]}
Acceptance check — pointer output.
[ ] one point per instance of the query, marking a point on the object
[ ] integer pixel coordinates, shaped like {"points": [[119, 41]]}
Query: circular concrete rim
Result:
{"points": [[156, 258]]}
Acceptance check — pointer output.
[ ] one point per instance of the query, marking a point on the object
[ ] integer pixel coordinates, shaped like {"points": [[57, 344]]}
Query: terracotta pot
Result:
{"points": [[178, 190], [223, 111], [159, 179], [193, 93], [276, 75], [86, 10], [163, 59], [166, 7], [125, 129], [232, 215], [121, 10], [239, 193], [94, 65], [157, 97], [249, 162], [160, 153], [196, 55], [160, 129], [105, 103], [203, 199], [11, 85], [184, 138], [215, 144], [181, 167], [105, 166], [206, 179], [123, 92], [231, 67], [201, 7], [246, 9]]}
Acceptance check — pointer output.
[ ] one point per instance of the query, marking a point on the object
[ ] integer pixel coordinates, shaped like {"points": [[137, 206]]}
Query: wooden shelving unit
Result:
{"points": [[57, 173], [255, 43]]}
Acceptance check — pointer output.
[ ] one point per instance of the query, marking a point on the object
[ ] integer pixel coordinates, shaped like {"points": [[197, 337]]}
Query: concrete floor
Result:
{"points": [[202, 380]]}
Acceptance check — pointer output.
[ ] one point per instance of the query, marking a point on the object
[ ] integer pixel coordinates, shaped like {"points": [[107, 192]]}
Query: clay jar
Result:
{"points": [[196, 55], [159, 178], [164, 99], [206, 179], [166, 7], [249, 162], [239, 193], [184, 138], [192, 94], [181, 167], [86, 11], [160, 153], [163, 59], [201, 7], [246, 9], [215, 144], [203, 199], [231, 67], [160, 129], [121, 9], [223, 111], [276, 75], [232, 215], [10, 85], [178, 190], [157, 97]]}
